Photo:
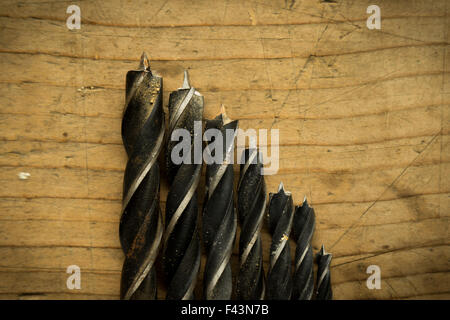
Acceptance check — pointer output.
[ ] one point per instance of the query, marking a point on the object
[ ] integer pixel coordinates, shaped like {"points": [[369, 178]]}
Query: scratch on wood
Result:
{"points": [[381, 195]]}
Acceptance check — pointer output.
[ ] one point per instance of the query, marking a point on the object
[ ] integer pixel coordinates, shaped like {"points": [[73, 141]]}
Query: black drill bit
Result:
{"points": [[302, 232], [181, 240], [141, 227], [279, 278], [324, 291], [251, 209], [219, 215]]}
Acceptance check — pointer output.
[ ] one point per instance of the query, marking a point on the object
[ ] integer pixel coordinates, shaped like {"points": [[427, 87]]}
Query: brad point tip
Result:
{"points": [[282, 189], [224, 115], [323, 252], [186, 84], [144, 64]]}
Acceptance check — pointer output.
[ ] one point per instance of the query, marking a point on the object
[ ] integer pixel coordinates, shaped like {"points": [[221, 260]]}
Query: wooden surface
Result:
{"points": [[363, 118]]}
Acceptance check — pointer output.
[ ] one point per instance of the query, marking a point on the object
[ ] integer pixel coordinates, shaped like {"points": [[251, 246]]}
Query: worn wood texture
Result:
{"points": [[363, 118]]}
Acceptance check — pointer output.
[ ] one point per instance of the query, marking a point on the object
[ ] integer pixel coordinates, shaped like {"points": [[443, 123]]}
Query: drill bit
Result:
{"points": [[279, 278], [219, 216], [302, 232], [181, 240], [141, 227], [251, 208], [324, 291]]}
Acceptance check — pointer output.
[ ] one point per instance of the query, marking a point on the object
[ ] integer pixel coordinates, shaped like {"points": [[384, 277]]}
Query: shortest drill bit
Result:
{"points": [[323, 275]]}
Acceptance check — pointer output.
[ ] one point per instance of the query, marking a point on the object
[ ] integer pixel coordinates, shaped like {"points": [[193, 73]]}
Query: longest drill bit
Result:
{"points": [[323, 291], [302, 231], [219, 216], [141, 228], [279, 278], [181, 240], [251, 208]]}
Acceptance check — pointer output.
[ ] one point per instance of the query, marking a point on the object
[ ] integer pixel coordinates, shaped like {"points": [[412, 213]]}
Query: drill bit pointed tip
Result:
{"points": [[282, 189], [186, 84], [223, 114], [323, 252], [305, 203], [144, 64]]}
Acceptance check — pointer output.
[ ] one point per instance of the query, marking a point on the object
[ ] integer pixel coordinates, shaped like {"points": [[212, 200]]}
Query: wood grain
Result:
{"points": [[363, 117]]}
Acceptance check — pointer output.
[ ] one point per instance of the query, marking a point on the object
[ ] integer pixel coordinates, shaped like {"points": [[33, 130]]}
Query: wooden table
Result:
{"points": [[363, 118]]}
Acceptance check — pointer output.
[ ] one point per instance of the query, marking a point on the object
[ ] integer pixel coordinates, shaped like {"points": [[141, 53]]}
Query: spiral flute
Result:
{"points": [[279, 278], [219, 216], [141, 227], [181, 240], [323, 287], [251, 208], [302, 232]]}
